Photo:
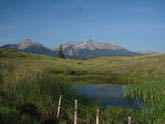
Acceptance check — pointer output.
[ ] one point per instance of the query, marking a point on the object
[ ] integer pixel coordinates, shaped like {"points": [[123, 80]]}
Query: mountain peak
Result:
{"points": [[25, 44], [68, 44], [28, 43], [90, 41]]}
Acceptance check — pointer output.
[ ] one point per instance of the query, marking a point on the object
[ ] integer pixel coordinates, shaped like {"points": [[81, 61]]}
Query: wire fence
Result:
{"points": [[73, 113]]}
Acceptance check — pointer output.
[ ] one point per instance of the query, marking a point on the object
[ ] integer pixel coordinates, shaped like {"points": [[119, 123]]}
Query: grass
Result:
{"points": [[36, 98], [153, 96], [123, 70], [30, 86]]}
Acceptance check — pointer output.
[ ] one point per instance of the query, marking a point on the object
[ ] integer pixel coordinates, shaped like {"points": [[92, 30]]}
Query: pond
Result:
{"points": [[107, 95]]}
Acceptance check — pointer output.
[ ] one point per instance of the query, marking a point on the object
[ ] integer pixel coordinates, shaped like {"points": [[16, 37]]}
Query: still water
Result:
{"points": [[107, 95]]}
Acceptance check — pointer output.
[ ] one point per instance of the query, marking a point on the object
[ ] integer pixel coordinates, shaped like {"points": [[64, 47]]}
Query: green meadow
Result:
{"points": [[30, 86]]}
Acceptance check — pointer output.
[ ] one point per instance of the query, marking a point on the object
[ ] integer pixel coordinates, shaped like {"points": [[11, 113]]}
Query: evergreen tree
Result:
{"points": [[60, 53]]}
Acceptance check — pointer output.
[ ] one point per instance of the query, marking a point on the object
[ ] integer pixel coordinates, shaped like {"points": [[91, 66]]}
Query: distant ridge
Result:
{"points": [[32, 47], [91, 49], [146, 52], [82, 50]]}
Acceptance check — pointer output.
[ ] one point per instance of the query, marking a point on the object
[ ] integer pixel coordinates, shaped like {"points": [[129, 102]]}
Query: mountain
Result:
{"points": [[92, 49], [32, 47], [83, 50], [146, 52]]}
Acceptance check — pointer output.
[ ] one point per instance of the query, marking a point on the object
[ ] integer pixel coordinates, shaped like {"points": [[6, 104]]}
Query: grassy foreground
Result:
{"points": [[30, 86], [114, 70]]}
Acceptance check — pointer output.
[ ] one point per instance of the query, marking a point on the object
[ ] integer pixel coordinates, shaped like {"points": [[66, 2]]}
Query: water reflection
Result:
{"points": [[107, 95]]}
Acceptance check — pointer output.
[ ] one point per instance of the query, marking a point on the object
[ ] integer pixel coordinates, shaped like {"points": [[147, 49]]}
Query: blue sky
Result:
{"points": [[134, 24]]}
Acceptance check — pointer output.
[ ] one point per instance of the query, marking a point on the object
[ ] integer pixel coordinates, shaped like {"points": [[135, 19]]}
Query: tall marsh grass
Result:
{"points": [[152, 95]]}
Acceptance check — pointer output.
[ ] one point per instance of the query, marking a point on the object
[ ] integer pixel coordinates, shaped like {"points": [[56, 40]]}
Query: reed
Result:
{"points": [[152, 95]]}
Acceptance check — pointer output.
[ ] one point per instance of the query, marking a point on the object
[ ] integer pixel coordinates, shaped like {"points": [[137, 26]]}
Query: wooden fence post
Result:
{"points": [[97, 116], [75, 111], [59, 106], [129, 120]]}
